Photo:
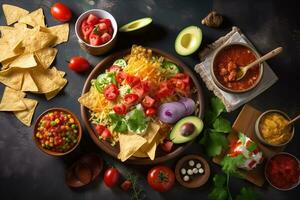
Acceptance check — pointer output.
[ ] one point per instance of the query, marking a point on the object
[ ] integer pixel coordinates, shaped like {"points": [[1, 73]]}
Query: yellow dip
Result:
{"points": [[271, 129]]}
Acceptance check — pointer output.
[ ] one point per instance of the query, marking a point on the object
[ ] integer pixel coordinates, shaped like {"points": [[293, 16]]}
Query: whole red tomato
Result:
{"points": [[111, 177], [161, 178], [61, 12], [79, 64]]}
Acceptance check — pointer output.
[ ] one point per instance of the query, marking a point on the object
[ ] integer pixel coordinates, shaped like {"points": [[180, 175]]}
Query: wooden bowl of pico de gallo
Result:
{"points": [[57, 131], [225, 66]]}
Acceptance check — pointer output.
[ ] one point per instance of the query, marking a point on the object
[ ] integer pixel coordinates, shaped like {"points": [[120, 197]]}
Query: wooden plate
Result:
{"points": [[114, 151], [245, 123]]}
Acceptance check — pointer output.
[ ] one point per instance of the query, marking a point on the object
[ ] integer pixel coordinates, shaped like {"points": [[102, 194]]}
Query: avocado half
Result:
{"points": [[188, 40], [136, 25], [176, 135]]}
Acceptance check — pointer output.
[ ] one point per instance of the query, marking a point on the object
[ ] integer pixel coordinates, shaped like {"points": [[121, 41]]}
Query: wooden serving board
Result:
{"points": [[245, 123]]}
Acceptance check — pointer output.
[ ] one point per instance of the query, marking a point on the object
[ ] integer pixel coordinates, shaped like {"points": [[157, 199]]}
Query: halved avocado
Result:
{"points": [[136, 24], [188, 40], [186, 129]]}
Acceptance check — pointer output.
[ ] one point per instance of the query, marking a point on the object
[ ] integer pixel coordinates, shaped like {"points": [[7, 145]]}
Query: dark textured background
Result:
{"points": [[26, 173]]}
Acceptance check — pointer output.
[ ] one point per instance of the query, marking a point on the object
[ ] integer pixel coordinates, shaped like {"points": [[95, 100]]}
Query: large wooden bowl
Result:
{"points": [[114, 151]]}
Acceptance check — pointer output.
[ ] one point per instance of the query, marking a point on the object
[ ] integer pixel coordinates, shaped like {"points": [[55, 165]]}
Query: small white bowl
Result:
{"points": [[101, 49]]}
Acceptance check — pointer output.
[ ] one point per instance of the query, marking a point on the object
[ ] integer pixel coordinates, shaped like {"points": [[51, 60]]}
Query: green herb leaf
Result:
{"points": [[96, 30], [118, 123], [230, 164], [103, 80], [136, 120], [217, 107], [219, 191], [252, 146], [222, 125], [214, 142], [247, 194]]}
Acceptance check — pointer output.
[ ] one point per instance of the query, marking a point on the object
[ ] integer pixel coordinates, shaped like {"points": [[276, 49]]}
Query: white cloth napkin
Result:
{"points": [[231, 101]]}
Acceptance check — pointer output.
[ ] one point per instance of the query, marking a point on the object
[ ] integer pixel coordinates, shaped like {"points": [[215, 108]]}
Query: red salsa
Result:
{"points": [[227, 64], [283, 171], [57, 131]]}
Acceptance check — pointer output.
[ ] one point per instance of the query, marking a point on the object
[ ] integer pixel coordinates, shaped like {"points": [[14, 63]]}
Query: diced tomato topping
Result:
{"points": [[95, 39], [105, 37], [111, 92], [150, 112], [99, 128], [181, 82], [132, 80], [106, 134], [120, 109], [102, 28], [165, 89], [166, 146], [92, 19], [106, 21], [130, 98], [121, 76], [148, 102], [110, 30], [86, 30], [114, 68], [126, 185]]}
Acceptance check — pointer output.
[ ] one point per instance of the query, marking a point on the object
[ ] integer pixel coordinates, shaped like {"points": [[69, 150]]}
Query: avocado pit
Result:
{"points": [[187, 129]]}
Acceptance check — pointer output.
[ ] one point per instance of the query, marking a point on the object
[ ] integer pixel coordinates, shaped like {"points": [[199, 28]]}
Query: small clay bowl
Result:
{"points": [[212, 68], [270, 182], [258, 133], [84, 171], [54, 153], [197, 180]]}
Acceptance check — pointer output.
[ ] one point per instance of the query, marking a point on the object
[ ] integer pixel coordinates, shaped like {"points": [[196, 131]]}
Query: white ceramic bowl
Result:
{"points": [[101, 49]]}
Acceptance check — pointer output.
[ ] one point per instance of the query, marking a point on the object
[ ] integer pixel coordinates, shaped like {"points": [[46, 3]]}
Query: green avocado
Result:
{"points": [[136, 24], [186, 129], [188, 40]]}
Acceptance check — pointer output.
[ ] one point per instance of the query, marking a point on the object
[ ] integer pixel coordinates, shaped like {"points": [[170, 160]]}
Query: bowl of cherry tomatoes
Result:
{"points": [[96, 31]]}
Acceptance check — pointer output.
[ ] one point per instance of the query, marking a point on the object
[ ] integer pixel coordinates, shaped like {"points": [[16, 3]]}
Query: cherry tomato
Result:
{"points": [[126, 185], [106, 21], [166, 146], [150, 112], [111, 177], [105, 37], [131, 98], [111, 92], [100, 128], [132, 80], [114, 68], [161, 178], [79, 64], [92, 19], [61, 12], [148, 101], [95, 39], [120, 109], [120, 77], [86, 30], [165, 89]]}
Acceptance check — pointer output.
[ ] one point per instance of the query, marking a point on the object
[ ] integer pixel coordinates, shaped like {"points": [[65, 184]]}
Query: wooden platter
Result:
{"points": [[114, 151], [245, 123]]}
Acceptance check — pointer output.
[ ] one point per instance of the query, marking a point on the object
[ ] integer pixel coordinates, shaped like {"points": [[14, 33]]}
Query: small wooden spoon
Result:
{"points": [[243, 70], [291, 122]]}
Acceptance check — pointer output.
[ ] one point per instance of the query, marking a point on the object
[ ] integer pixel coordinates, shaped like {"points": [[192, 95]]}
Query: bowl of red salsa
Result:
{"points": [[57, 131], [225, 67], [96, 31], [282, 171]]}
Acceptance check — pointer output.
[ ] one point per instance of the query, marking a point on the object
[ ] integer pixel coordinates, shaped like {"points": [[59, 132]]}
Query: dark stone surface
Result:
{"points": [[26, 173]]}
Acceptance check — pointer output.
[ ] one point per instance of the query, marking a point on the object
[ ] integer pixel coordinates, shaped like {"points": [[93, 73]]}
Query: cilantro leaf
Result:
{"points": [[252, 146], [118, 123], [222, 125], [136, 120], [96, 30], [219, 191], [247, 194], [230, 164], [217, 105], [214, 142]]}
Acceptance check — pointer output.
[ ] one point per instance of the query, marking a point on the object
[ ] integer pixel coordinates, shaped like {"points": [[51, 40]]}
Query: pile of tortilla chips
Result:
{"points": [[26, 55], [132, 144]]}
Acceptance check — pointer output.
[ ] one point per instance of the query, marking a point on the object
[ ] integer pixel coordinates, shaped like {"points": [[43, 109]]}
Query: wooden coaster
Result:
{"points": [[245, 123]]}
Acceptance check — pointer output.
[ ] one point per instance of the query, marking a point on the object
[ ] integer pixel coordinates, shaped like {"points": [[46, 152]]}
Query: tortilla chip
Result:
{"points": [[7, 53], [25, 116], [36, 40], [129, 144], [5, 64], [12, 77], [60, 31], [140, 154], [13, 13], [151, 132], [28, 83], [35, 18], [24, 61], [52, 94], [12, 100], [46, 56], [151, 150], [20, 26], [93, 100]]}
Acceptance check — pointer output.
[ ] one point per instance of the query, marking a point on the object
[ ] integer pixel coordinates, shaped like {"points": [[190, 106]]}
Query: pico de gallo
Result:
{"points": [[57, 131], [96, 31]]}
